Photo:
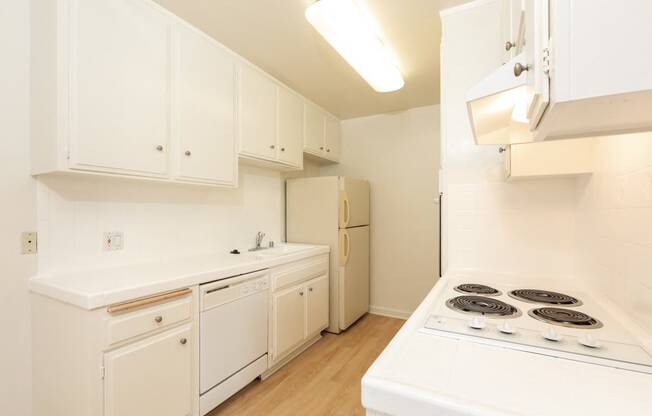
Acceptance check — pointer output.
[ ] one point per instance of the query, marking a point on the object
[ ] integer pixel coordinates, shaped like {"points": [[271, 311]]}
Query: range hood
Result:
{"points": [[498, 106]]}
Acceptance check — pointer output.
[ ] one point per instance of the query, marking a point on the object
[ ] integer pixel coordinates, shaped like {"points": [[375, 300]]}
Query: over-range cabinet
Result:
{"points": [[335, 211]]}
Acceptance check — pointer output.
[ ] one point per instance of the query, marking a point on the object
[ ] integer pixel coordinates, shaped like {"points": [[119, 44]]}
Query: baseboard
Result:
{"points": [[389, 312], [278, 365]]}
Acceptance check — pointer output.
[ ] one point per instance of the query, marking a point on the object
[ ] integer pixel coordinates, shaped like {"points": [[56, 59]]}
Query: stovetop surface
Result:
{"points": [[584, 331]]}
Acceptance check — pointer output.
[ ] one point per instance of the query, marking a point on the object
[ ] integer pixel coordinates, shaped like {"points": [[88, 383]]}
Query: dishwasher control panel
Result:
{"points": [[228, 290]]}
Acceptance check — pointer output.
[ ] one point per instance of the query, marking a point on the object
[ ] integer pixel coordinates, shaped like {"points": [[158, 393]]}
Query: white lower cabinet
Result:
{"points": [[151, 377], [317, 308], [300, 307], [290, 319]]}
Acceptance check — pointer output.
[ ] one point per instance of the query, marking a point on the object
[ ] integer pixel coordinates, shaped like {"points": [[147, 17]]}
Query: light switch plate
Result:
{"points": [[113, 241], [29, 243]]}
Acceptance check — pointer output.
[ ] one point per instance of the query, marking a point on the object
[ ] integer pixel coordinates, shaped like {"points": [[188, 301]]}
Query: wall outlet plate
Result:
{"points": [[114, 240], [29, 242]]}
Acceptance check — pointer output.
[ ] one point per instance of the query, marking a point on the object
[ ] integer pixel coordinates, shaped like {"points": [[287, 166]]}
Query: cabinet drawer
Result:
{"points": [[142, 321], [297, 272]]}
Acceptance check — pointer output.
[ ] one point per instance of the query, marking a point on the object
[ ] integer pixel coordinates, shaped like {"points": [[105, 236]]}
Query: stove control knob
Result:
{"points": [[477, 323], [589, 341], [551, 335], [506, 328]]}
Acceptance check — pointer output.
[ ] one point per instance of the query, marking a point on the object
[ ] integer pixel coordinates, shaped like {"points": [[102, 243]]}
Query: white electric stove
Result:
{"points": [[538, 320]]}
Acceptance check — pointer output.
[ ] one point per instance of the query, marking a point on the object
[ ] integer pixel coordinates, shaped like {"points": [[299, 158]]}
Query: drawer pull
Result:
{"points": [[158, 319], [183, 341], [139, 303]]}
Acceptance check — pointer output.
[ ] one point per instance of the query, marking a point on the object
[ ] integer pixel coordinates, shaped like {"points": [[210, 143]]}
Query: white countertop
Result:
{"points": [[422, 374], [93, 289]]}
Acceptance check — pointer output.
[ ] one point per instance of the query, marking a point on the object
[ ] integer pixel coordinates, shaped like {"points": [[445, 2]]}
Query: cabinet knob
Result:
{"points": [[188, 153], [282, 149], [520, 68], [309, 289], [301, 293], [509, 45], [183, 341], [321, 148], [159, 148], [158, 319], [502, 149], [328, 150], [272, 147]]}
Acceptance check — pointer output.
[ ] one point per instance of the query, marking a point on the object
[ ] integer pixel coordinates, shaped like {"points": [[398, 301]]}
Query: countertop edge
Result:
{"points": [[44, 284]]}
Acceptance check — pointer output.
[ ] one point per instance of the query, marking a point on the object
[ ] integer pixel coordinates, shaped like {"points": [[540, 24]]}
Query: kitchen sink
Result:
{"points": [[280, 250]]}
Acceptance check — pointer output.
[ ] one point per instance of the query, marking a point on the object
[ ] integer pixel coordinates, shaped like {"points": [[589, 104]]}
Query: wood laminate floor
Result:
{"points": [[324, 380]]}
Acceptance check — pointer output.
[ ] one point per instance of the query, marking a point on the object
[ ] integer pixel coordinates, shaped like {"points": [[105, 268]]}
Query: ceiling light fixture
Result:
{"points": [[354, 36]]}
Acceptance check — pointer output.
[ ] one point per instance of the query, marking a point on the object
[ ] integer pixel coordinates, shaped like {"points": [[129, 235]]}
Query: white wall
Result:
{"points": [[399, 154], [614, 224], [158, 220], [17, 193]]}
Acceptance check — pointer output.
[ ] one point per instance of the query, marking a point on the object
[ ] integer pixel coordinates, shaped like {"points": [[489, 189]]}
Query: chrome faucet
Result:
{"points": [[259, 241]]}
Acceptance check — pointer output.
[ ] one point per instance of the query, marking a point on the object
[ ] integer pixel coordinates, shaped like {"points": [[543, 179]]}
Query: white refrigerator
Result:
{"points": [[334, 211]]}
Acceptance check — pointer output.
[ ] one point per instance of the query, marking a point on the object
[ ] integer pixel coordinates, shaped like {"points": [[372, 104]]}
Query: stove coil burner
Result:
{"points": [[544, 296], [480, 305], [565, 317], [477, 289]]}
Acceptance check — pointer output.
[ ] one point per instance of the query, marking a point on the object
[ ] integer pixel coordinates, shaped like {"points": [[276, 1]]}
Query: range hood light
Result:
{"points": [[519, 113], [498, 106], [353, 34]]}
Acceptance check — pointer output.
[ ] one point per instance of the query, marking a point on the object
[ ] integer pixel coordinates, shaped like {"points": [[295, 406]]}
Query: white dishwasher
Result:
{"points": [[233, 335]]}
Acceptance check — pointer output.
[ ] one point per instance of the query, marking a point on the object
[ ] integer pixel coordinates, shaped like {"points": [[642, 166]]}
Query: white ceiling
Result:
{"points": [[275, 35]]}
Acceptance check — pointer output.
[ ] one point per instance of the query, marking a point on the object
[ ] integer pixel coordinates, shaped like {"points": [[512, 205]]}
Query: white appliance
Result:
{"points": [[334, 210], [233, 336], [559, 324]]}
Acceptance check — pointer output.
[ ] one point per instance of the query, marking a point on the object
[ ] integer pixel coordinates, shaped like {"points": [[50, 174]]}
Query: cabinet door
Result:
{"points": [[317, 304], [313, 141], [119, 102], [151, 377], [258, 105], [289, 326], [333, 138], [204, 103], [290, 127]]}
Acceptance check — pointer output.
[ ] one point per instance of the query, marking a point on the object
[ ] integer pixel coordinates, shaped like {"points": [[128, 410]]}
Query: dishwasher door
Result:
{"points": [[233, 326]]}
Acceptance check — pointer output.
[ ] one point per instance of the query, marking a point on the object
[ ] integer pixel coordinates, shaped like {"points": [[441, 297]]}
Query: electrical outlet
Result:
{"points": [[113, 241], [29, 243]]}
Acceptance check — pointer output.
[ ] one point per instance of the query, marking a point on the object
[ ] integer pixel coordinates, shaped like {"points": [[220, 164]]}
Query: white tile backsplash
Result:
{"points": [[159, 220], [614, 224]]}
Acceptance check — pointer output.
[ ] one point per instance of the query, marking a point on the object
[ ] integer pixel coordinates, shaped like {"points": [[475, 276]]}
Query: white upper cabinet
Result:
{"points": [[314, 130], [574, 68], [124, 87], [271, 122], [204, 124], [119, 90], [600, 74], [258, 114], [333, 139], [290, 127], [322, 134]]}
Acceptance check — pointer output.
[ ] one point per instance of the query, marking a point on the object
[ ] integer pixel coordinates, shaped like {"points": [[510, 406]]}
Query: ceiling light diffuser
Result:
{"points": [[352, 33]]}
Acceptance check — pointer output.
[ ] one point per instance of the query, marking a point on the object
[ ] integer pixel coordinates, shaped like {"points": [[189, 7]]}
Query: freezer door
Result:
{"points": [[353, 274], [354, 202]]}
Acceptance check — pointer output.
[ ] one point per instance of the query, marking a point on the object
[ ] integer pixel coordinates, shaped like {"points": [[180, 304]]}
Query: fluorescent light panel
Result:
{"points": [[353, 35]]}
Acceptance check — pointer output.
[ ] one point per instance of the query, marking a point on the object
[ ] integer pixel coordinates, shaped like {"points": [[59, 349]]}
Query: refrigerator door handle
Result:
{"points": [[346, 208], [345, 245]]}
